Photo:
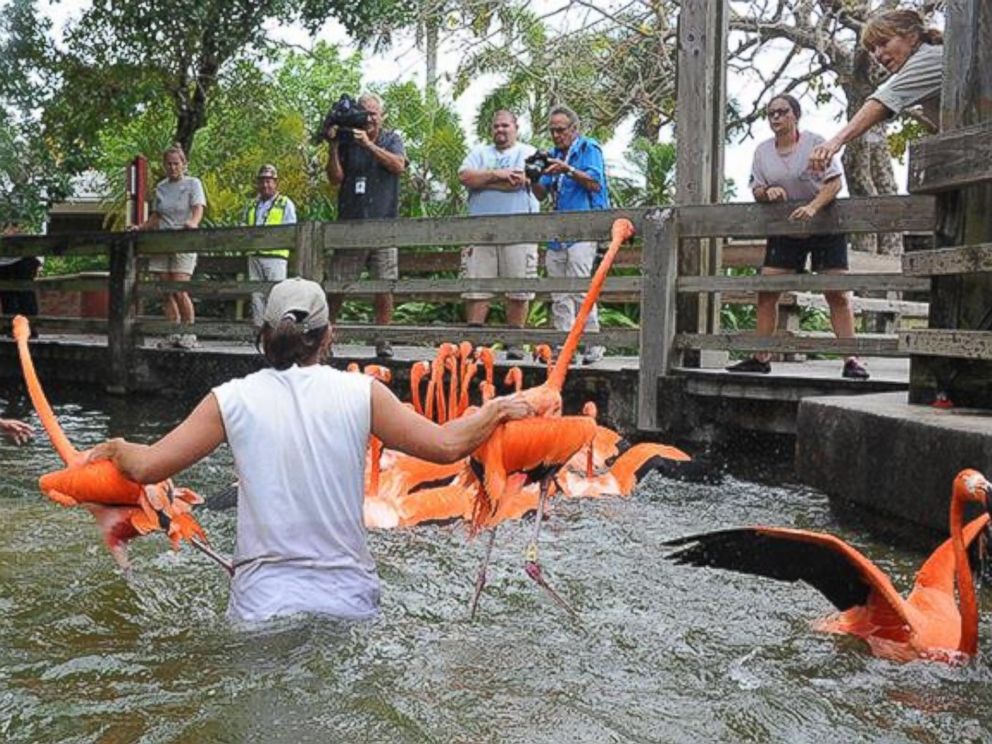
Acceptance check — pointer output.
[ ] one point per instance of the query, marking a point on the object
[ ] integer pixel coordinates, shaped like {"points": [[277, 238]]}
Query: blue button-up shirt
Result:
{"points": [[567, 194]]}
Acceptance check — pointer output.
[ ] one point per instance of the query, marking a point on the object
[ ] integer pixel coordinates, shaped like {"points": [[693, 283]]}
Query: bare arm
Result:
{"points": [[402, 429], [335, 174], [827, 193], [152, 223], [192, 440], [502, 179], [870, 114], [195, 215]]}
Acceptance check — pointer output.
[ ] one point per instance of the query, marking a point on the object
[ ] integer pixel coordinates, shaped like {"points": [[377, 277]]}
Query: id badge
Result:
{"points": [[360, 185]]}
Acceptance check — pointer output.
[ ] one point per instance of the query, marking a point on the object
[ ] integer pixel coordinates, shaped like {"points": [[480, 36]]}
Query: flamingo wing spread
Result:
{"points": [[841, 573]]}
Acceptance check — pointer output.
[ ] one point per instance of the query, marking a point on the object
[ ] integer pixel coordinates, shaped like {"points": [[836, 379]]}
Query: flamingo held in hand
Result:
{"points": [[122, 508], [928, 624]]}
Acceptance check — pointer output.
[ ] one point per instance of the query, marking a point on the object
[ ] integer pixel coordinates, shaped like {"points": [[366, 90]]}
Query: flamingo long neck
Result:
{"points": [[60, 441], [966, 588], [556, 377]]}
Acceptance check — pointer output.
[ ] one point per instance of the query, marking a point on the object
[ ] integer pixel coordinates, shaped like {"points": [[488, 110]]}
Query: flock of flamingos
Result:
{"points": [[525, 463]]}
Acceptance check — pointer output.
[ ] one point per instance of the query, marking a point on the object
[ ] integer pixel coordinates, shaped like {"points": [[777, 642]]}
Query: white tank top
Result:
{"points": [[299, 438]]}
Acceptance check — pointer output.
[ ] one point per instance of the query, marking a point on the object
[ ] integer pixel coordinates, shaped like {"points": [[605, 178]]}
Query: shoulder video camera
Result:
{"points": [[536, 164], [346, 114]]}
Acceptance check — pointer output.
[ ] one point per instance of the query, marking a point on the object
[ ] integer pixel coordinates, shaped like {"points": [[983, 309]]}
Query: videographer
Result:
{"points": [[494, 177], [365, 165], [575, 178]]}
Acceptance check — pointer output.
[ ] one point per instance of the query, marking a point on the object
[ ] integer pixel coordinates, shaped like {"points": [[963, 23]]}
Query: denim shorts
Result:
{"points": [[825, 251]]}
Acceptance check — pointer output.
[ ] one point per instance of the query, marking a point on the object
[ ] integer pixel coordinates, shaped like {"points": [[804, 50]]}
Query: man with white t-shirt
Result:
{"points": [[494, 175]]}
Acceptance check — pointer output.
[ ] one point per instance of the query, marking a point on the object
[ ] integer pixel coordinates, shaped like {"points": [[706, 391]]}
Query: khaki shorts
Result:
{"points": [[382, 263], [175, 263], [513, 261]]}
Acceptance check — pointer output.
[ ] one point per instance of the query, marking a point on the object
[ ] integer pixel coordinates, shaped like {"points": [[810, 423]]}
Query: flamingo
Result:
{"points": [[417, 372], [928, 624], [538, 447], [123, 509]]}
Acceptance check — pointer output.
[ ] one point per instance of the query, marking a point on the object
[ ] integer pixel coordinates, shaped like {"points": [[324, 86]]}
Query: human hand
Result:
{"points": [[18, 432], [557, 166], [513, 407], [804, 213], [514, 178], [331, 135], [190, 225], [362, 138], [103, 451], [775, 194], [821, 156]]}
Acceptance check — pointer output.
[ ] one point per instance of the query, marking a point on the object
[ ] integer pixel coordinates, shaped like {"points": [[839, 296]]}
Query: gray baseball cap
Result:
{"points": [[299, 298], [267, 171]]}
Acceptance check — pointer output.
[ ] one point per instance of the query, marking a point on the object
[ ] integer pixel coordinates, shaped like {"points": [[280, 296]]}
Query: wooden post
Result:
{"points": [[699, 145], [123, 283], [308, 256], [964, 217], [659, 270]]}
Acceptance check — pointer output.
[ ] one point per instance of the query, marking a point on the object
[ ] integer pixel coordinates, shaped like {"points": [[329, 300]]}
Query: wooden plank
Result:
{"points": [[951, 160], [803, 282], [967, 259], [960, 302], [414, 287], [47, 324], [415, 262], [862, 305], [660, 266], [76, 244], [121, 317], [945, 343], [625, 338], [488, 230], [867, 215], [238, 240], [862, 345]]}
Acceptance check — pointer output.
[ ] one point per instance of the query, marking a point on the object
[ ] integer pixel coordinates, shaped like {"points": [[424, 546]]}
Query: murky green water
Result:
{"points": [[663, 653]]}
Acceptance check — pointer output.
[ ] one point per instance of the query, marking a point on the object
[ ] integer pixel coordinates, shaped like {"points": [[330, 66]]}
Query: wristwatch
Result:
{"points": [[571, 170]]}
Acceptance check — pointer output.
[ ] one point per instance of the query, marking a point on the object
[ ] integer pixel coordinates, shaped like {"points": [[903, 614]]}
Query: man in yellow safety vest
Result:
{"points": [[268, 208]]}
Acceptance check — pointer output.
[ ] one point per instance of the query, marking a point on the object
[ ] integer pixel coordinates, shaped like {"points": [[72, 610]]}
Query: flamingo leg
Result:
{"points": [[531, 566], [480, 579], [213, 555]]}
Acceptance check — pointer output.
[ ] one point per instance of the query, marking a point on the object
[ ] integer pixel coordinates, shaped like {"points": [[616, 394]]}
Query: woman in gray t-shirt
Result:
{"points": [[781, 173], [913, 55], [179, 204]]}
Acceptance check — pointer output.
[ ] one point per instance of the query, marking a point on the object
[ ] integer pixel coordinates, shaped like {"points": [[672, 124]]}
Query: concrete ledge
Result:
{"points": [[882, 453]]}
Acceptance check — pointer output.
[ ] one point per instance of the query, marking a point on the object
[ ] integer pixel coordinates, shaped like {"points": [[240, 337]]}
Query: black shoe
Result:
{"points": [[854, 370], [751, 364], [515, 352], [383, 349]]}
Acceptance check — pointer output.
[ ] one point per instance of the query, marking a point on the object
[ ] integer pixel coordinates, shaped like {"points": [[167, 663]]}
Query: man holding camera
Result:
{"points": [[575, 178], [365, 164], [494, 177], [269, 207]]}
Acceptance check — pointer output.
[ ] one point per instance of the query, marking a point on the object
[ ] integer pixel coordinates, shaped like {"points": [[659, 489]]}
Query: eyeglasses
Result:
{"points": [[776, 113], [558, 130]]}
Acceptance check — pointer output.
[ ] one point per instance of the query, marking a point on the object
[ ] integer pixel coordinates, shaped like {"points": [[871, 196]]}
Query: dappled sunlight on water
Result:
{"points": [[661, 653]]}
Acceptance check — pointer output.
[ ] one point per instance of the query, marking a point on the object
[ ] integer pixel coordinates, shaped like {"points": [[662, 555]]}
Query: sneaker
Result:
{"points": [[751, 364], [854, 370], [187, 341], [169, 342], [594, 354], [384, 349], [515, 352]]}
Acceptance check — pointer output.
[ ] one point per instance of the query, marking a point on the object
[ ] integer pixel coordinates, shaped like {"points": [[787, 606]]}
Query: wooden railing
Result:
{"points": [[432, 246]]}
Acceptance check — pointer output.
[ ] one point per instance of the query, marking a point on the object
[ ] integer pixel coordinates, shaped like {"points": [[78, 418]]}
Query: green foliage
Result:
{"points": [[435, 145], [654, 164]]}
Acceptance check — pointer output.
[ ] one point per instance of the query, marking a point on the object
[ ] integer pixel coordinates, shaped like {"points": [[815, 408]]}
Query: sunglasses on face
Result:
{"points": [[558, 130], [776, 113]]}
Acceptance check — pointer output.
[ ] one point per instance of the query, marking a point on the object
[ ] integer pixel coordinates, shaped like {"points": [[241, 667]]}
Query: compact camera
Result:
{"points": [[536, 164]]}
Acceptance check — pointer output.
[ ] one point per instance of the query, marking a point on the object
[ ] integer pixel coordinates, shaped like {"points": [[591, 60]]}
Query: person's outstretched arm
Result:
{"points": [[191, 441], [18, 432], [403, 429], [870, 114]]}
